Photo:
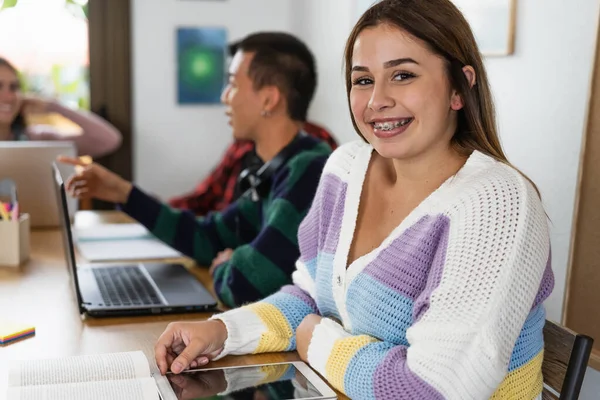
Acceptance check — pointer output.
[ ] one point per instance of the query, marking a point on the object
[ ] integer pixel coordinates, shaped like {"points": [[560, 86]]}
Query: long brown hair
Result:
{"points": [[18, 125], [444, 29]]}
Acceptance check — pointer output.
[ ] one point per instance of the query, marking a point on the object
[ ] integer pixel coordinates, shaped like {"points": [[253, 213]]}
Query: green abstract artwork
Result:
{"points": [[201, 56]]}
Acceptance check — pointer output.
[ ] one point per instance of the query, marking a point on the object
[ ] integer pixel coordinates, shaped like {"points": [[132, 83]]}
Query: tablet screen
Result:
{"points": [[264, 382]]}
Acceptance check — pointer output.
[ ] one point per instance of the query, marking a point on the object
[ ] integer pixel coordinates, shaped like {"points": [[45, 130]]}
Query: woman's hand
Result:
{"points": [[186, 345], [95, 181], [304, 334]]}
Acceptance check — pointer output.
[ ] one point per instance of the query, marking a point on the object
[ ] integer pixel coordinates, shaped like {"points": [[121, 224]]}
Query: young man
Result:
{"points": [[252, 245]]}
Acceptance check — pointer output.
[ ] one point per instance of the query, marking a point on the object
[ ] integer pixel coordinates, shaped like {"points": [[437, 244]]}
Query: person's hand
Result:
{"points": [[304, 334], [186, 345], [222, 257], [198, 385], [95, 181]]}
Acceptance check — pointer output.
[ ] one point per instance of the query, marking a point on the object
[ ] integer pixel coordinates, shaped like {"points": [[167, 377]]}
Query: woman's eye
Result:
{"points": [[362, 81], [403, 76]]}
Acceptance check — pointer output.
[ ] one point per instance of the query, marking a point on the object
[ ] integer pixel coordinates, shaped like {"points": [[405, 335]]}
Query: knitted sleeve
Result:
{"points": [[479, 294], [270, 325]]}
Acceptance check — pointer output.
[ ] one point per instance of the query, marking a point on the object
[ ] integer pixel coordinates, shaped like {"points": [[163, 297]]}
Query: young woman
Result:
{"points": [[425, 257], [98, 138]]}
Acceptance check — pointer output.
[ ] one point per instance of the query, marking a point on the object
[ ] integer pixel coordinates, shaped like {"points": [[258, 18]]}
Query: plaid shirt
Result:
{"points": [[218, 190]]}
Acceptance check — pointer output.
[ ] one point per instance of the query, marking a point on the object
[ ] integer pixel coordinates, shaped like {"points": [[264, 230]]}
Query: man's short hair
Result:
{"points": [[281, 60]]}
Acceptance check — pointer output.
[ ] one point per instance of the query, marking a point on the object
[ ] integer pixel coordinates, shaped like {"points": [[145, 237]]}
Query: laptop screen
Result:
{"points": [[65, 225]]}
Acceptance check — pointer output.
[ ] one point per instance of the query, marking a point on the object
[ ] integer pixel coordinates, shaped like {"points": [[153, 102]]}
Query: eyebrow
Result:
{"points": [[388, 64]]}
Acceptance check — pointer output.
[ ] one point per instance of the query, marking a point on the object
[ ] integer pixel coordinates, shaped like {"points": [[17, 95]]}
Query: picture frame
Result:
{"points": [[493, 23]]}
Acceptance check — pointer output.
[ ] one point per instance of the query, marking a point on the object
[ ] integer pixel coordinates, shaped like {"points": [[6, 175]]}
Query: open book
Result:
{"points": [[103, 376]]}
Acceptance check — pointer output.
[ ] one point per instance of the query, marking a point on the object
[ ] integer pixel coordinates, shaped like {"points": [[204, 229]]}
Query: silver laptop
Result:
{"points": [[27, 164], [132, 288]]}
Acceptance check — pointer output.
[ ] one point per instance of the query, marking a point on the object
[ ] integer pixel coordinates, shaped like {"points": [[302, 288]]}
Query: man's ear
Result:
{"points": [[271, 97], [457, 103]]}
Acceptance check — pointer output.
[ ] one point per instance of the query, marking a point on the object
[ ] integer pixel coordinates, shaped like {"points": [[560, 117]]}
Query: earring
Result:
{"points": [[265, 113]]}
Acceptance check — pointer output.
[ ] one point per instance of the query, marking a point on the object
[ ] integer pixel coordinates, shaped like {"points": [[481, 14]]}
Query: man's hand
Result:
{"points": [[222, 257], [95, 181]]}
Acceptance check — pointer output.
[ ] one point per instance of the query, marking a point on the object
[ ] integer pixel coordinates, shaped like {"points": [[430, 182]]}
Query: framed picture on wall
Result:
{"points": [[201, 57], [493, 24]]}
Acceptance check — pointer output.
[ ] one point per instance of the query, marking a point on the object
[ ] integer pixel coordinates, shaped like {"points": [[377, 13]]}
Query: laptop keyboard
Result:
{"points": [[125, 286]]}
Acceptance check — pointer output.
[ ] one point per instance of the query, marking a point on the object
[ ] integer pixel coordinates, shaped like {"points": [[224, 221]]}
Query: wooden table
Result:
{"points": [[40, 294]]}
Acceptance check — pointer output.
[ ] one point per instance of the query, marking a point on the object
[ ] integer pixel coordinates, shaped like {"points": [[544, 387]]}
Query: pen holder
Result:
{"points": [[14, 242]]}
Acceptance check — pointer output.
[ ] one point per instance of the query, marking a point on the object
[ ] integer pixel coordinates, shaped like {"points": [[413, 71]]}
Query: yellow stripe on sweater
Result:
{"points": [[278, 333], [525, 382], [342, 352]]}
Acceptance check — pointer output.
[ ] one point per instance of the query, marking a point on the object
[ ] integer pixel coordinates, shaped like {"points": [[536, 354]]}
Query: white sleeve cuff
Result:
{"points": [[325, 334], [244, 330]]}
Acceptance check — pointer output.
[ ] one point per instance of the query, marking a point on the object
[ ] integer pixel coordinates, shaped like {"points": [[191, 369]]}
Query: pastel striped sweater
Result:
{"points": [[448, 306]]}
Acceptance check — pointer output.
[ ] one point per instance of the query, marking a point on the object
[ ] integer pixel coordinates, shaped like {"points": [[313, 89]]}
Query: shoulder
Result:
{"points": [[305, 165], [341, 161], [312, 151], [491, 193]]}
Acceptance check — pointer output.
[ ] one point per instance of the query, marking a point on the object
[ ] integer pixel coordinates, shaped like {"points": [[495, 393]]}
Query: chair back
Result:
{"points": [[566, 355]]}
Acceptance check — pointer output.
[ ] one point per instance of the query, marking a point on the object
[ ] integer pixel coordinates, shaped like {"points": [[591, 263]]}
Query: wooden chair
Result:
{"points": [[566, 356]]}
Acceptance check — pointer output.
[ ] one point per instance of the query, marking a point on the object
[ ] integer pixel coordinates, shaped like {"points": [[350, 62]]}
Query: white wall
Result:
{"points": [[176, 145], [541, 95], [326, 34]]}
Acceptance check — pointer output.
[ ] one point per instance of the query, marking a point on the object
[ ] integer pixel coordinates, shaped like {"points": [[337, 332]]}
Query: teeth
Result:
{"points": [[388, 126]]}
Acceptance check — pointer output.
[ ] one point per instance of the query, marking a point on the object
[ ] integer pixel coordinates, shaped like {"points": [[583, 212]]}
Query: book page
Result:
{"points": [[140, 389], [88, 368], [111, 232], [126, 250]]}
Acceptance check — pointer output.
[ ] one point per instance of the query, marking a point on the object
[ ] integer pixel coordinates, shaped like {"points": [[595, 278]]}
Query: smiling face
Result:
{"points": [[400, 97], [10, 101]]}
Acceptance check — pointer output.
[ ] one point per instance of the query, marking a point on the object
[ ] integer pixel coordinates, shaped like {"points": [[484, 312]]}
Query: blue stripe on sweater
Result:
{"points": [[324, 295], [295, 311], [358, 379], [531, 339], [387, 314]]}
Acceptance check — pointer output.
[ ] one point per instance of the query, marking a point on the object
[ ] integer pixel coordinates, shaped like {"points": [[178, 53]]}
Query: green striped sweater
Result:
{"points": [[262, 234]]}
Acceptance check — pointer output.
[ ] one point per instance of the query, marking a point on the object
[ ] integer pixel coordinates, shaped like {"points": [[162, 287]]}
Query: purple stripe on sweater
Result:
{"points": [[546, 285], [410, 259], [301, 295], [435, 273], [324, 219], [394, 380]]}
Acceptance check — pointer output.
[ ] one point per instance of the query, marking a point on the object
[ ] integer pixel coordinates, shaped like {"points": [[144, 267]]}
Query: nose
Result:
{"points": [[225, 95], [6, 94], [380, 98]]}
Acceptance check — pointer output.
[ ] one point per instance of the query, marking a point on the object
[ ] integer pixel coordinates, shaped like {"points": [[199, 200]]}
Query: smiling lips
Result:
{"points": [[387, 128]]}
